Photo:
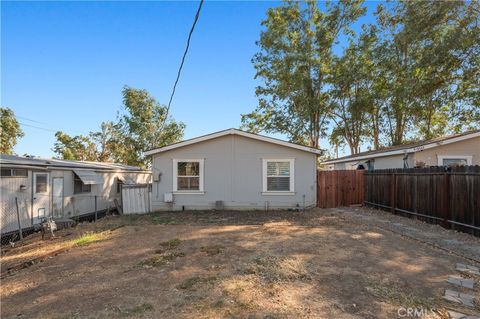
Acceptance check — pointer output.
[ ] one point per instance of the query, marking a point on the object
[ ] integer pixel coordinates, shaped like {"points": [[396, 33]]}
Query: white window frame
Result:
{"points": [[201, 177], [466, 157], [265, 190]]}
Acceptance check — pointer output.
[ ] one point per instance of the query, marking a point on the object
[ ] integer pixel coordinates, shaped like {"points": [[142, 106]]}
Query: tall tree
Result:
{"points": [[144, 126], [351, 95], [78, 148], [141, 126], [427, 56], [295, 63], [10, 130]]}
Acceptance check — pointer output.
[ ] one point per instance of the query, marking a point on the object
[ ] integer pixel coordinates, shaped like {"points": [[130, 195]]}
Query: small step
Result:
{"points": [[458, 315], [462, 282], [468, 268], [458, 297]]}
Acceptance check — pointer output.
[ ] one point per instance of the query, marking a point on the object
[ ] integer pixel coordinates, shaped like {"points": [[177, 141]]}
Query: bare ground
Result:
{"points": [[342, 263]]}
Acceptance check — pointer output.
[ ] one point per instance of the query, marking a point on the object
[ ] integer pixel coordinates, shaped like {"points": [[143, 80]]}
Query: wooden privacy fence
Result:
{"points": [[339, 188], [450, 196]]}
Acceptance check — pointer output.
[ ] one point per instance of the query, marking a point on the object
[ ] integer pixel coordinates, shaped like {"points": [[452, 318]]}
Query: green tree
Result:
{"points": [[78, 148], [428, 60], [10, 130], [351, 95], [294, 64], [144, 126]]}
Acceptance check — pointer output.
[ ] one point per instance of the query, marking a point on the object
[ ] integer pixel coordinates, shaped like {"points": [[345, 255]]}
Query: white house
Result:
{"points": [[233, 169], [458, 149]]}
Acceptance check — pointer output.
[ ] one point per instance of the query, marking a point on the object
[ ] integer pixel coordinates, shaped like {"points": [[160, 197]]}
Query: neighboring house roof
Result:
{"points": [[13, 160], [233, 131], [407, 148]]}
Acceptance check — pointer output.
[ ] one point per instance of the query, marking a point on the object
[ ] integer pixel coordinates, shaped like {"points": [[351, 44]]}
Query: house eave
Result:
{"points": [[233, 132]]}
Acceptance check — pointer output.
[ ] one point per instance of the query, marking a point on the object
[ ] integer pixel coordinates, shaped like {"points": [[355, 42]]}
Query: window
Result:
{"points": [[13, 172], [79, 187], [41, 183], [454, 160], [278, 176], [188, 176]]}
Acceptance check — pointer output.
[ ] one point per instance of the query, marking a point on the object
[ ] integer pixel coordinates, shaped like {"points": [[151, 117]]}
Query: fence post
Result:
{"points": [[96, 217], [446, 203], [393, 190], [20, 232]]}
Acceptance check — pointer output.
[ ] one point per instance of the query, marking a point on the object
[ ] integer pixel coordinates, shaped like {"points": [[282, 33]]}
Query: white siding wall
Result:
{"points": [[233, 174]]}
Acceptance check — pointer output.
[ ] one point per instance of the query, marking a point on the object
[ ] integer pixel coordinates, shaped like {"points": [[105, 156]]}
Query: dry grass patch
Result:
{"points": [[161, 259], [393, 292], [193, 282], [164, 255], [171, 244], [277, 269], [212, 250]]}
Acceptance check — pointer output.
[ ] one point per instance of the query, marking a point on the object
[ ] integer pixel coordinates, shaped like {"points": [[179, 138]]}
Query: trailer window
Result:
{"points": [[13, 172], [79, 187]]}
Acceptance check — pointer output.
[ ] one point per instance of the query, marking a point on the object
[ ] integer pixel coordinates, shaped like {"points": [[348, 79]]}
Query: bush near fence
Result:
{"points": [[447, 196]]}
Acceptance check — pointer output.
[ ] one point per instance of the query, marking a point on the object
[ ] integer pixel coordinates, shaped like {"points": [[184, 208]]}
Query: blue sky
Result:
{"points": [[63, 64]]}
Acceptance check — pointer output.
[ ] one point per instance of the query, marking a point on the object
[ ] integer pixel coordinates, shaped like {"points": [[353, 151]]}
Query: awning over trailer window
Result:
{"points": [[88, 177], [126, 179]]}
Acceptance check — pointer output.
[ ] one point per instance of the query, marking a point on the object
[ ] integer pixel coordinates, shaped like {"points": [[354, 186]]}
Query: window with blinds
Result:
{"points": [[278, 176]]}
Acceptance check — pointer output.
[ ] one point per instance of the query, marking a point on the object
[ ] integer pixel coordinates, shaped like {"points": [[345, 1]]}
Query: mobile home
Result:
{"points": [[35, 188], [233, 169]]}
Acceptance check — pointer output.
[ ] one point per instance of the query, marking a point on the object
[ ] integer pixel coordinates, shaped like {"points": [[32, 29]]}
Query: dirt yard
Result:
{"points": [[350, 263]]}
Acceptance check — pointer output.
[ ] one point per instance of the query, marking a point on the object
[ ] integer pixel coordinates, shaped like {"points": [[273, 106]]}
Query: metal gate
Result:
{"points": [[136, 198]]}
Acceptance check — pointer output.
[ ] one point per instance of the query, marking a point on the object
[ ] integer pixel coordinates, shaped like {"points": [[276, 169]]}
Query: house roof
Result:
{"points": [[13, 160], [233, 131], [407, 148]]}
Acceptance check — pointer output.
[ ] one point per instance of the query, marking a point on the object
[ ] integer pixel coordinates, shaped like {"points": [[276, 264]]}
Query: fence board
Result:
{"points": [[449, 196], [339, 188]]}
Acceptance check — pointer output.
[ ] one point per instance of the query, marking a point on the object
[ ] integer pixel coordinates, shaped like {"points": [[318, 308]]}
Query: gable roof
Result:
{"points": [[13, 160], [407, 148], [233, 131]]}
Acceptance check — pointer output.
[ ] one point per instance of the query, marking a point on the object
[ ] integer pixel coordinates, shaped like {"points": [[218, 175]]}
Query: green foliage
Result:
{"points": [[10, 130], [413, 73], [294, 64], [142, 126]]}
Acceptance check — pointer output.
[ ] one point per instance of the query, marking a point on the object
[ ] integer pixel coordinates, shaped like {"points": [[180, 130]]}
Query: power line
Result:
{"points": [[43, 128], [37, 127], [183, 60]]}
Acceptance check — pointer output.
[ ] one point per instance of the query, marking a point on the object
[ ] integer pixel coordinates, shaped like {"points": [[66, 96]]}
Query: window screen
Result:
{"points": [[278, 176], [188, 176]]}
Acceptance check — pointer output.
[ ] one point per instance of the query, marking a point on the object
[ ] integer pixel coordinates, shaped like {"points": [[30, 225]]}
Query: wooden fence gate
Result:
{"points": [[136, 198], [340, 188]]}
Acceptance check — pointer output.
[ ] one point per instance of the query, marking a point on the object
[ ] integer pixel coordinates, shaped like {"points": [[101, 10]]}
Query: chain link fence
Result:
{"points": [[19, 217]]}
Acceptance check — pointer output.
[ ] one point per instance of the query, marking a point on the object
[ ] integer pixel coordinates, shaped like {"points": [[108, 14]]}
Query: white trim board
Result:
{"points": [[233, 131]]}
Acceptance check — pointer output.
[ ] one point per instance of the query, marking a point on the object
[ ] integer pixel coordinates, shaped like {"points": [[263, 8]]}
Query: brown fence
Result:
{"points": [[449, 197], [339, 188]]}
